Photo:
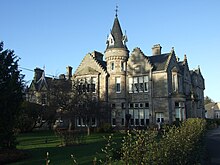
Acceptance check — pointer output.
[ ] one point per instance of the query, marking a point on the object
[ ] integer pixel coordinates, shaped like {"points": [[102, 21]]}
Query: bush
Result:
{"points": [[11, 155], [177, 145], [105, 128], [70, 137]]}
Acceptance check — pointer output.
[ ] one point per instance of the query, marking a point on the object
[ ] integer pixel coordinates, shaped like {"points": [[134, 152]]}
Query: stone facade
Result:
{"points": [[140, 89], [146, 89]]}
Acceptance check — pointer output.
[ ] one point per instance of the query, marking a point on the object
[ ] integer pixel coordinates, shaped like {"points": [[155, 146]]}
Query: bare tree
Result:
{"points": [[73, 101]]}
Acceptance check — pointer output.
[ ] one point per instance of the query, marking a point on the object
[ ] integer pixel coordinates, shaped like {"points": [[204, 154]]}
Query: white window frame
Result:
{"points": [[118, 84], [130, 83], [136, 85], [160, 116], [141, 81], [93, 82], [146, 83]]}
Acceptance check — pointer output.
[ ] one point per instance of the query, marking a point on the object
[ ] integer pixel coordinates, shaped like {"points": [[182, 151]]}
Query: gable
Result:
{"points": [[32, 86], [172, 64], [186, 71], [90, 65], [138, 63]]}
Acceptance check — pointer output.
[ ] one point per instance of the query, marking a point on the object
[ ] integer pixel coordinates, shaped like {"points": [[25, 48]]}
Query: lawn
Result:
{"points": [[38, 143]]}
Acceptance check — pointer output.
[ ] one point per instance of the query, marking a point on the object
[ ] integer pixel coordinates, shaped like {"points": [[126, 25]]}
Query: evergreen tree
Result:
{"points": [[208, 100], [11, 86]]}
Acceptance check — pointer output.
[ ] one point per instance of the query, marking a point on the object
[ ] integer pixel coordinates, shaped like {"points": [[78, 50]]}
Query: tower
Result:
{"points": [[116, 55]]}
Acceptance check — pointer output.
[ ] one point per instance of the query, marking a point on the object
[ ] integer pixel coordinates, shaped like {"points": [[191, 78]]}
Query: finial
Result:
{"points": [[116, 11], [185, 58]]}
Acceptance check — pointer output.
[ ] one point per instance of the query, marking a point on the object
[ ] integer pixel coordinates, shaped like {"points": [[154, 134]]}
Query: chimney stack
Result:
{"points": [[37, 74], [69, 72], [156, 49]]}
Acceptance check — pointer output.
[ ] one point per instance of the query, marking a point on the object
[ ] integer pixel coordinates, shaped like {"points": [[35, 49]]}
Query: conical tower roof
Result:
{"points": [[116, 39]]}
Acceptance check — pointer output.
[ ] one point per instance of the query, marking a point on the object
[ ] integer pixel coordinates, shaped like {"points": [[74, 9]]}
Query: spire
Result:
{"points": [[116, 39]]}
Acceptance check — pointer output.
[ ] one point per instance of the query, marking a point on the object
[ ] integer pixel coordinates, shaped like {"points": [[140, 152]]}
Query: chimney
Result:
{"points": [[69, 72], [37, 74], [156, 49], [62, 76]]}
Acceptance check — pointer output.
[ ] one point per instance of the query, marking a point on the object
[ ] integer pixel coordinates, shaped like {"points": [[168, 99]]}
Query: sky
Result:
{"points": [[59, 33]]}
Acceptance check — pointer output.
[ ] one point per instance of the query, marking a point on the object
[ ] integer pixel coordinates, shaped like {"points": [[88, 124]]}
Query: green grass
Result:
{"points": [[34, 144]]}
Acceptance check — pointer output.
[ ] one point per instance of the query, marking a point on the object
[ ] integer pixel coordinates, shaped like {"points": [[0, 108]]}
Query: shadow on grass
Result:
{"points": [[36, 147]]}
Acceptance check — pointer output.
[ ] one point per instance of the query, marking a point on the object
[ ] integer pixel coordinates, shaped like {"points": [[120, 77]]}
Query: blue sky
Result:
{"points": [[58, 33]]}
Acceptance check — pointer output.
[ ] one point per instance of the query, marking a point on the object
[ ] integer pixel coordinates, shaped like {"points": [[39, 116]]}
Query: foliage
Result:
{"points": [[34, 115], [173, 145], [138, 147], [207, 100], [72, 101], [182, 144], [11, 89], [105, 128], [212, 123], [28, 116], [178, 145], [108, 150]]}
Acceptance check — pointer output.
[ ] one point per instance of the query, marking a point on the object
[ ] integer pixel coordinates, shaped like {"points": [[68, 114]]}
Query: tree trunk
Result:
{"points": [[88, 130], [70, 125]]}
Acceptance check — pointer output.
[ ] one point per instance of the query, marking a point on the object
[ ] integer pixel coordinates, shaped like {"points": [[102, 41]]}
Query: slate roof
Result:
{"points": [[117, 34], [181, 66], [159, 61], [40, 84], [47, 83]]}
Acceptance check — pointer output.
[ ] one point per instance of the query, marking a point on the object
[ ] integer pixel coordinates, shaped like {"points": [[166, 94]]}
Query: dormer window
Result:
{"points": [[110, 40]]}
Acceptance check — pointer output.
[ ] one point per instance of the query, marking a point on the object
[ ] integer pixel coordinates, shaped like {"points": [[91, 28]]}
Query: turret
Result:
{"points": [[116, 53]]}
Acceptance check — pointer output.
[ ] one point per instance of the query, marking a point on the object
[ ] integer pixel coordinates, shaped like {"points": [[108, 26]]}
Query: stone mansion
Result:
{"points": [[137, 88]]}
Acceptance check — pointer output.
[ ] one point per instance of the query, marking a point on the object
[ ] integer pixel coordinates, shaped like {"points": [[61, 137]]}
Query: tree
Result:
{"points": [[207, 100], [73, 101], [34, 115], [11, 89]]}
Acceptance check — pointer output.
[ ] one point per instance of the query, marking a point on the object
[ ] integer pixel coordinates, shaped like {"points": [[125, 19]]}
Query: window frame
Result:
{"points": [[118, 84]]}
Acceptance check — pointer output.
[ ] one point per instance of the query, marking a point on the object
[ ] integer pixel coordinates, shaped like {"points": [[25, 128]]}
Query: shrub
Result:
{"points": [[105, 128], [70, 137], [177, 145]]}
